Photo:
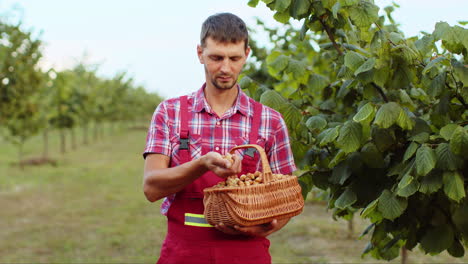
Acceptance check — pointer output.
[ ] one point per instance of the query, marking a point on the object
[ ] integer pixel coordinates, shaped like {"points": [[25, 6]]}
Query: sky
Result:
{"points": [[155, 41]]}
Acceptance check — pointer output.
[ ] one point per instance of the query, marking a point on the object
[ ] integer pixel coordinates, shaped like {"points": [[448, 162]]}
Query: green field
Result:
{"points": [[90, 208]]}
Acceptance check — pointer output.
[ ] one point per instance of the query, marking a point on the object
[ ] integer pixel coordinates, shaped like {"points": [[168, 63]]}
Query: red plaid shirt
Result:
{"points": [[219, 134]]}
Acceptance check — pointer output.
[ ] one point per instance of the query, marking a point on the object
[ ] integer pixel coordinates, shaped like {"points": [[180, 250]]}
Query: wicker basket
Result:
{"points": [[254, 204]]}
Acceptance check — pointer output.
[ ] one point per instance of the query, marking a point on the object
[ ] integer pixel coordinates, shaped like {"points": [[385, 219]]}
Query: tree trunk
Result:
{"points": [[45, 150], [85, 134], [21, 154], [73, 138], [62, 141], [351, 227], [96, 132], [404, 255]]}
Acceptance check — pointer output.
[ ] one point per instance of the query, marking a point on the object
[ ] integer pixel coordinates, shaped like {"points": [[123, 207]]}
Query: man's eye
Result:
{"points": [[216, 58]]}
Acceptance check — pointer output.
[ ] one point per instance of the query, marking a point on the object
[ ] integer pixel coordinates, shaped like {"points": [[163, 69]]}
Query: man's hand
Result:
{"points": [[263, 230], [214, 162]]}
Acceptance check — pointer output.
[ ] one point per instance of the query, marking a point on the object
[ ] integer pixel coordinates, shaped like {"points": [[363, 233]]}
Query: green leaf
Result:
{"points": [[340, 156], [437, 239], [407, 186], [410, 151], [387, 115], [365, 114], [291, 114], [280, 63], [346, 199], [340, 173], [273, 99], [404, 121], [391, 206], [350, 137], [406, 99], [371, 156], [268, 1], [345, 3], [453, 185], [366, 66], [460, 219], [282, 5], [253, 3], [329, 135], [318, 82], [335, 9], [300, 8], [363, 14], [316, 123], [441, 29], [245, 82], [297, 68], [306, 182], [370, 208], [383, 138], [456, 250], [447, 131], [425, 44], [425, 160], [446, 160], [461, 71], [437, 85], [431, 183], [396, 37], [282, 17], [433, 63], [459, 142], [353, 60], [420, 138]]}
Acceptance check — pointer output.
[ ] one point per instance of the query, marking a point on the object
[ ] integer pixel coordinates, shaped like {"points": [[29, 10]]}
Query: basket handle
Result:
{"points": [[267, 175]]}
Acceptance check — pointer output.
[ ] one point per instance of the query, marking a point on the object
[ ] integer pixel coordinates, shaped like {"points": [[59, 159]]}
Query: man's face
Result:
{"points": [[223, 62]]}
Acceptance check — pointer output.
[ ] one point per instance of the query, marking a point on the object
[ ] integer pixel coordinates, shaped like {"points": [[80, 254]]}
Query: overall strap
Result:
{"points": [[255, 127], [184, 148], [256, 121]]}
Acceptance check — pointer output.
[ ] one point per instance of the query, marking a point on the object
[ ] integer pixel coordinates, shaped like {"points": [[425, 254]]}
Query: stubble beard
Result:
{"points": [[222, 86]]}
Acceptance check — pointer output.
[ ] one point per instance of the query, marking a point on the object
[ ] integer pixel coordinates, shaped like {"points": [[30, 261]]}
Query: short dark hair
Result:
{"points": [[224, 27]]}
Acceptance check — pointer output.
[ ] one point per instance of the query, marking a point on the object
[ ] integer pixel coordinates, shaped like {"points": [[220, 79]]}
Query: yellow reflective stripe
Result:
{"points": [[195, 215], [196, 220], [197, 224]]}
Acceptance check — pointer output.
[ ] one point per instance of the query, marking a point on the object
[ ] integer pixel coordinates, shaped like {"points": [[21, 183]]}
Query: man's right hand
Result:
{"points": [[214, 162]]}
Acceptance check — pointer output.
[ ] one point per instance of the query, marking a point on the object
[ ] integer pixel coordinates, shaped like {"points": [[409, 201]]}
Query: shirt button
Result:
{"points": [[218, 123], [217, 148]]}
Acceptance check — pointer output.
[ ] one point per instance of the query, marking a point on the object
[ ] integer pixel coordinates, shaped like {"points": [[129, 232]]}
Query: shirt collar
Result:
{"points": [[242, 104]]}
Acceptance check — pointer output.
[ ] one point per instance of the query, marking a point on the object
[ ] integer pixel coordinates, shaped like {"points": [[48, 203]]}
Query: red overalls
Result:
{"points": [[201, 244]]}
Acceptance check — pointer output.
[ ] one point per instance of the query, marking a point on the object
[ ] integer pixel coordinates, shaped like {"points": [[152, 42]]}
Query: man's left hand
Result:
{"points": [[263, 230]]}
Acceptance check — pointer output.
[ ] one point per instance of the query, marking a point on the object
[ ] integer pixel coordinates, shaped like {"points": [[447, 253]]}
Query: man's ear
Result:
{"points": [[247, 52], [200, 53]]}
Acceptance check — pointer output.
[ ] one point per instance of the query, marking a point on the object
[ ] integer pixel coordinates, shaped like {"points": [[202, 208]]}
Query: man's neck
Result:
{"points": [[220, 100]]}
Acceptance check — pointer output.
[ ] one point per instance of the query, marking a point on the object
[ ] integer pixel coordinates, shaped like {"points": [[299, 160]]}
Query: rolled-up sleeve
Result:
{"points": [[157, 140]]}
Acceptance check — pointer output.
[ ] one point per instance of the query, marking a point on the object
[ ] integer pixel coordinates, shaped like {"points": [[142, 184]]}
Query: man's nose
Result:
{"points": [[225, 66]]}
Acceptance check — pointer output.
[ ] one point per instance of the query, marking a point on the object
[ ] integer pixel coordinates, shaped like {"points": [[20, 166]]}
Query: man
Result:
{"points": [[186, 140]]}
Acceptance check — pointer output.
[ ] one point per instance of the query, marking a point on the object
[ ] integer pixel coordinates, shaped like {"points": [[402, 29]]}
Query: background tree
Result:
{"points": [[20, 81]]}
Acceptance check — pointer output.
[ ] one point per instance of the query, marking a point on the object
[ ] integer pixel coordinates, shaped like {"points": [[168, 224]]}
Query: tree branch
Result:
{"points": [[458, 96], [330, 36], [380, 90]]}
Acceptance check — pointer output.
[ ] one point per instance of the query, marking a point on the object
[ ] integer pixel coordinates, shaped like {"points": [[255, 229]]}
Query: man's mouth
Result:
{"points": [[224, 78]]}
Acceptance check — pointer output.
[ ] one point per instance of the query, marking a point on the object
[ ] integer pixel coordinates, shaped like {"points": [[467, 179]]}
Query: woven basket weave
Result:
{"points": [[254, 204]]}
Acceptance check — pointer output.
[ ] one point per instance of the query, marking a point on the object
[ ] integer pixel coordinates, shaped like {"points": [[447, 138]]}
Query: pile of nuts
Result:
{"points": [[246, 179]]}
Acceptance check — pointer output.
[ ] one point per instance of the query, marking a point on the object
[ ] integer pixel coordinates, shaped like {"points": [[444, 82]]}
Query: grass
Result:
{"points": [[91, 209]]}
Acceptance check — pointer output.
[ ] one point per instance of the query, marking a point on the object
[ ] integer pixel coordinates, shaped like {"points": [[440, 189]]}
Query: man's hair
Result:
{"points": [[226, 28]]}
